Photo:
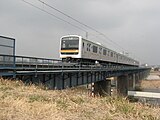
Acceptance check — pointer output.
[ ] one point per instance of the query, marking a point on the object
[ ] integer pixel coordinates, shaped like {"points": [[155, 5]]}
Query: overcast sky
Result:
{"points": [[133, 24]]}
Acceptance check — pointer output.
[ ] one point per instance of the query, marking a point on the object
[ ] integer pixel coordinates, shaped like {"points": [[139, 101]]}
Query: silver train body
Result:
{"points": [[76, 48]]}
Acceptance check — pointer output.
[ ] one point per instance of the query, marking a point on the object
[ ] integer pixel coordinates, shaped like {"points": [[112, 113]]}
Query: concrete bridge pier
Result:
{"points": [[122, 85], [138, 78], [102, 88], [137, 81], [141, 75], [144, 74], [131, 82], [134, 81]]}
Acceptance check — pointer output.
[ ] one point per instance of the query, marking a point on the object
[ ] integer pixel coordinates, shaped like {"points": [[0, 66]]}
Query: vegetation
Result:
{"points": [[20, 102], [150, 84]]}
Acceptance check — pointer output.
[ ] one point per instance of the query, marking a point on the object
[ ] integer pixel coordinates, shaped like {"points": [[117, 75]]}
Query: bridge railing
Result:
{"points": [[10, 61], [7, 61], [33, 62], [23, 62]]}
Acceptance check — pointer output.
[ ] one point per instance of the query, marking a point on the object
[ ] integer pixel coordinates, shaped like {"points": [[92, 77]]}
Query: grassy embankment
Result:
{"points": [[151, 84], [20, 102]]}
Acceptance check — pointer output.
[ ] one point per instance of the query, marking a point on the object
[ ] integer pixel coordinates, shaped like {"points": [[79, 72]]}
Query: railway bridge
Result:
{"points": [[56, 74]]}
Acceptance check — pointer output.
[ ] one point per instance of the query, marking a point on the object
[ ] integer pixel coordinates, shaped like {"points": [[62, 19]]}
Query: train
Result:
{"points": [[74, 48]]}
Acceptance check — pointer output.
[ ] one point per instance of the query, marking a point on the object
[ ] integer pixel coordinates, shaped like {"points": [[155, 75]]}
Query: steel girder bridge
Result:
{"points": [[56, 74]]}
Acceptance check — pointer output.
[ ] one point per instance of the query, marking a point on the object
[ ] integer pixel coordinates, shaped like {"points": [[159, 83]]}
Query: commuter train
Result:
{"points": [[75, 48]]}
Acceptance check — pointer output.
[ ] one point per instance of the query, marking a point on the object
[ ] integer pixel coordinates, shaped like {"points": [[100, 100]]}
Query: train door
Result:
{"points": [[116, 57], [83, 49], [89, 50], [100, 53]]}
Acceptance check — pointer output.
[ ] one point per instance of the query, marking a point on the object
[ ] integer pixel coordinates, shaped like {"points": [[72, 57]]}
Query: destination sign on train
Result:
{"points": [[70, 38]]}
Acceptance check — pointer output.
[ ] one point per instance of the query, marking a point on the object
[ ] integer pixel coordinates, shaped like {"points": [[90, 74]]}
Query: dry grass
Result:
{"points": [[155, 73], [150, 84], [20, 102]]}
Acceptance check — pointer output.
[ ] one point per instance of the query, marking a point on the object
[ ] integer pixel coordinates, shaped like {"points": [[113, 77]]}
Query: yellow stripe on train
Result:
{"points": [[70, 51]]}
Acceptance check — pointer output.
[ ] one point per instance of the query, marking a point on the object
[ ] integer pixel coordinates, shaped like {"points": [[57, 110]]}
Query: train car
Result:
{"points": [[76, 48]]}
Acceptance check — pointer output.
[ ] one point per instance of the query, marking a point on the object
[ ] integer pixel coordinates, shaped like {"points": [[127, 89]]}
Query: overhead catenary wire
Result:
{"points": [[87, 26], [69, 22], [54, 15]]}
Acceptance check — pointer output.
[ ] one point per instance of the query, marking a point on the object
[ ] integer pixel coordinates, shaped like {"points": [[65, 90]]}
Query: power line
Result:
{"points": [[56, 16], [100, 33], [69, 22], [68, 16], [53, 15], [72, 19]]}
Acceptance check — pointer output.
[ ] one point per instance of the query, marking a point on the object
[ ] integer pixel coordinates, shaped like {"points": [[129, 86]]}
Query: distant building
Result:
{"points": [[157, 69]]}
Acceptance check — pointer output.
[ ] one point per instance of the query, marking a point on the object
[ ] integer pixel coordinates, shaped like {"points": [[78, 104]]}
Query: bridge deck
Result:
{"points": [[59, 75]]}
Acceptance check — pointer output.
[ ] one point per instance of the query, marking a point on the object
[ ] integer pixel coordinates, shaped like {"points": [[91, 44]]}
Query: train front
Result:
{"points": [[70, 49]]}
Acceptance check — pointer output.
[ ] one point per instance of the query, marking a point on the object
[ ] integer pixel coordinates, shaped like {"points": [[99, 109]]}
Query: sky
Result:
{"points": [[133, 25]]}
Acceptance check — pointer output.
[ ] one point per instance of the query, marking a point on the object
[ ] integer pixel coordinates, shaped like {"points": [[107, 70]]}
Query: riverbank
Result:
{"points": [[19, 102], [152, 81]]}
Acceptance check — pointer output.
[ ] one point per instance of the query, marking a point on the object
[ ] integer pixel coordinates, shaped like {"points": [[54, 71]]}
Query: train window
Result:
{"points": [[104, 52], [95, 49], [70, 44], [100, 50], [115, 55], [111, 54], [89, 47], [108, 53]]}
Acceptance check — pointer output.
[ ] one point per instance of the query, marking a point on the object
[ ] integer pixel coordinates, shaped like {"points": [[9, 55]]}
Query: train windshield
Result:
{"points": [[70, 43]]}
